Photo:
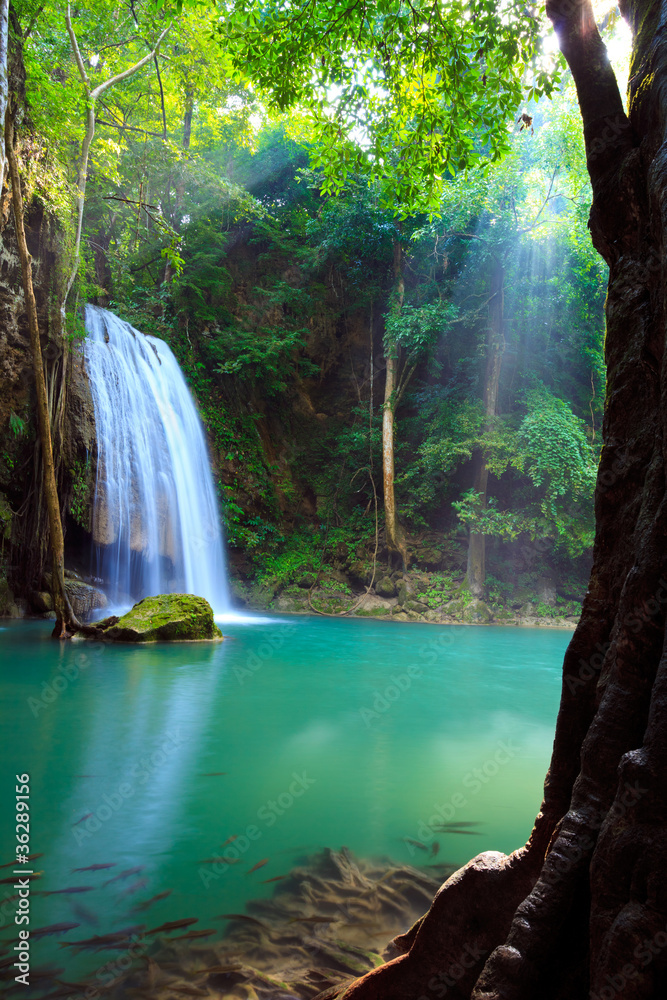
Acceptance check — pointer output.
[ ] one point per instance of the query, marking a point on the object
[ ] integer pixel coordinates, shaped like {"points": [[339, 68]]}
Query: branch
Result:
{"points": [[121, 127], [76, 51], [119, 77], [607, 131]]}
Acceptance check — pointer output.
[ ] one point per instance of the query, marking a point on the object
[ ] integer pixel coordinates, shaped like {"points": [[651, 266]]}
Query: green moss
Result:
{"points": [[167, 617]]}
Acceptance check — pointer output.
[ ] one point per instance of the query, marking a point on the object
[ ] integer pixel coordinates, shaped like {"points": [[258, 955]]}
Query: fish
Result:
{"points": [[242, 916], [229, 840], [86, 816], [131, 889], [83, 913], [31, 876], [72, 888], [260, 864], [313, 920], [53, 929], [173, 925], [435, 847], [153, 899], [213, 774], [415, 843], [220, 860], [17, 863], [98, 941], [95, 868], [216, 970], [466, 833], [191, 935], [125, 874], [276, 878]]}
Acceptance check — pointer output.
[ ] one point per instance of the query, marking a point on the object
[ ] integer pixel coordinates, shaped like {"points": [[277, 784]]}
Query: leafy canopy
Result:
{"points": [[404, 92]]}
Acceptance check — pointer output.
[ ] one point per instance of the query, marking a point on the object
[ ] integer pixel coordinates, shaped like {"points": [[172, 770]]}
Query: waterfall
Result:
{"points": [[156, 525]]}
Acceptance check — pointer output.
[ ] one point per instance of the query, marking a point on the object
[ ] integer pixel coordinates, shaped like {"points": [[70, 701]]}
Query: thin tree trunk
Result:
{"points": [[92, 95], [180, 184], [65, 617], [394, 534], [495, 348]]}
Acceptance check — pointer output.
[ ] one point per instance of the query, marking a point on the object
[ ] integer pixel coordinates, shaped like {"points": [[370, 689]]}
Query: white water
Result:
{"points": [[156, 522]]}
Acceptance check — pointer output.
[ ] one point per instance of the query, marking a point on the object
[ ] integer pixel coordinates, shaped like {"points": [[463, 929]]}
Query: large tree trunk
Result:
{"points": [[495, 348], [581, 911], [394, 534]]}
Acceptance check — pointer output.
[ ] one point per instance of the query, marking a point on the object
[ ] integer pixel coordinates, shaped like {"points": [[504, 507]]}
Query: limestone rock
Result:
{"points": [[406, 591], [6, 597], [42, 601], [477, 612], [385, 587], [84, 598], [167, 617]]}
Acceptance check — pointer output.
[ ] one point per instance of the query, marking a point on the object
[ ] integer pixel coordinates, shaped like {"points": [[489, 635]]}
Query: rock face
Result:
{"points": [[165, 618]]}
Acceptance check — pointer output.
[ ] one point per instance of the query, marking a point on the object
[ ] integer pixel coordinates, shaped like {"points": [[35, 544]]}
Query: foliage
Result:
{"points": [[400, 93], [81, 493]]}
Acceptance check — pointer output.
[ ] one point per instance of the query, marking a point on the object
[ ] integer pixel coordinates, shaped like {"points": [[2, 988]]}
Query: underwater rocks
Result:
{"points": [[329, 921], [165, 618]]}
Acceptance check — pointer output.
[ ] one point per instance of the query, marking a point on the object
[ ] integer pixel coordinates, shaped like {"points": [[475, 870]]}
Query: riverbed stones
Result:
{"points": [[164, 618]]}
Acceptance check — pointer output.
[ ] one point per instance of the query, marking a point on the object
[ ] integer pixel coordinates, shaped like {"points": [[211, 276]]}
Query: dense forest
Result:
{"points": [[321, 327], [377, 236]]}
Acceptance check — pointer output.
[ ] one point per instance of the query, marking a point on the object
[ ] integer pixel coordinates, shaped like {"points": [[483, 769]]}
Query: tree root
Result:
{"points": [[469, 917]]}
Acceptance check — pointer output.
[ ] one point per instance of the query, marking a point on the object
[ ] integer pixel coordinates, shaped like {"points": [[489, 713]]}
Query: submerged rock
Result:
{"points": [[165, 618]]}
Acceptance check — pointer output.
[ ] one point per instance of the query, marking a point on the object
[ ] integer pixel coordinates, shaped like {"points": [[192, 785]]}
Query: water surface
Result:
{"points": [[329, 732]]}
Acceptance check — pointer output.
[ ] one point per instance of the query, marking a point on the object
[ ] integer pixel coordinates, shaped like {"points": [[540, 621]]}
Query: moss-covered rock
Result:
{"points": [[385, 587], [165, 618]]}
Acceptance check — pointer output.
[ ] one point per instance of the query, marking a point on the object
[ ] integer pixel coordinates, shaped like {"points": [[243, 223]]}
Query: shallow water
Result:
{"points": [[329, 732]]}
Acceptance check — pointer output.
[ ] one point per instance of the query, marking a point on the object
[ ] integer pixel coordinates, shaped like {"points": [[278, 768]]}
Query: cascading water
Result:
{"points": [[156, 524]]}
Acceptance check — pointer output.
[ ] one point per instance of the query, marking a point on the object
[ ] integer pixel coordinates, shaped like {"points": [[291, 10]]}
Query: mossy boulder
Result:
{"points": [[385, 587], [165, 618], [477, 612]]}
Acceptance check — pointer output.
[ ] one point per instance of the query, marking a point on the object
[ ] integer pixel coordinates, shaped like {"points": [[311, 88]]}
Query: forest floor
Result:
{"points": [[528, 588]]}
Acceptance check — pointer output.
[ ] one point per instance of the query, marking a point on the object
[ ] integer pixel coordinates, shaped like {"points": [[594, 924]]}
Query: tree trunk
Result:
{"points": [[394, 534], [495, 348], [180, 184], [581, 911], [65, 617]]}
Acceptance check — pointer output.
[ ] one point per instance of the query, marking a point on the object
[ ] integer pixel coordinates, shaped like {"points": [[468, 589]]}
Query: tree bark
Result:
{"points": [[581, 911], [65, 618], [495, 348], [394, 534]]}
